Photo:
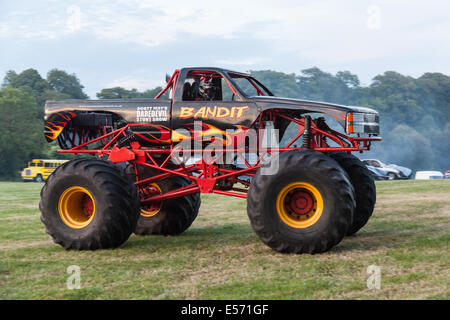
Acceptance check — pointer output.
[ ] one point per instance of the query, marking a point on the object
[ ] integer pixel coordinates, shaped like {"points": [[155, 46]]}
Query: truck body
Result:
{"points": [[160, 117]]}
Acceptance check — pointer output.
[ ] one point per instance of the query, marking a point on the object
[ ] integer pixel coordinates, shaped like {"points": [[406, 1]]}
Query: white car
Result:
{"points": [[427, 175], [392, 171]]}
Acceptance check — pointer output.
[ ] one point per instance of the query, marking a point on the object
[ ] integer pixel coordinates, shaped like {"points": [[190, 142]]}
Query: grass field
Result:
{"points": [[220, 257]]}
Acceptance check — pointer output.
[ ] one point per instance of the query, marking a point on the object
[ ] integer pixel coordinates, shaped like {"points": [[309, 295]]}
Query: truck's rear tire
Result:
{"points": [[89, 204], [306, 207], [364, 185], [169, 217]]}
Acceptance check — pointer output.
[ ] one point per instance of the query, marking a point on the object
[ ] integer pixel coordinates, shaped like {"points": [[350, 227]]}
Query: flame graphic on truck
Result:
{"points": [[53, 128]]}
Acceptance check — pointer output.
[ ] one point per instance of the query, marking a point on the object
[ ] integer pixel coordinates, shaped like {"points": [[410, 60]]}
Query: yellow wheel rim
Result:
{"points": [[153, 208], [299, 205], [76, 207]]}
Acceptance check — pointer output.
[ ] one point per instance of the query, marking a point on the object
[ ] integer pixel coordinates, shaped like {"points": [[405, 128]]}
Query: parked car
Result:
{"points": [[392, 171], [427, 175], [404, 172], [378, 174], [447, 174]]}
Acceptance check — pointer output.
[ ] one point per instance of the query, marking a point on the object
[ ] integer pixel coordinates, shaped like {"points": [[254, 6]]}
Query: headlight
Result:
{"points": [[362, 123]]}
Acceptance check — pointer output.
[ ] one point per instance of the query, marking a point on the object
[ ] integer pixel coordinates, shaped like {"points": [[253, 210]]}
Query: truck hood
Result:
{"points": [[307, 104], [368, 119]]}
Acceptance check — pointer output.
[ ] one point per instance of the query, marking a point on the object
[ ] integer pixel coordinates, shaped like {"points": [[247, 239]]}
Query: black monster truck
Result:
{"points": [[155, 157]]}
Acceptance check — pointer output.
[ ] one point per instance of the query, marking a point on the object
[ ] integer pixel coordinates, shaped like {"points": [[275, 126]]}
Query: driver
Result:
{"points": [[206, 89]]}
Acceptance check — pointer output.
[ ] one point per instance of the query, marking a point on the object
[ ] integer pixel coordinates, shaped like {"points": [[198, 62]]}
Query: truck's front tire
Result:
{"points": [[89, 204], [306, 207], [364, 185]]}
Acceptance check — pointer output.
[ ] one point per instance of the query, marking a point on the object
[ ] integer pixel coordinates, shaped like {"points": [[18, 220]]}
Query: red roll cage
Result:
{"points": [[213, 74], [206, 175]]}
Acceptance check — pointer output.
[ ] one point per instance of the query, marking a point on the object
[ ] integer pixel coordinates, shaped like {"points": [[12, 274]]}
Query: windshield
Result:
{"points": [[249, 85]]}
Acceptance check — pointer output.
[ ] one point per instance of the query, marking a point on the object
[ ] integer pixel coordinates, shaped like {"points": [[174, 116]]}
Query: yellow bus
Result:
{"points": [[39, 169]]}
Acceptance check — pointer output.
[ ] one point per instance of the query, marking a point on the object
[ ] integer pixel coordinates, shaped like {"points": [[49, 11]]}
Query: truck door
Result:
{"points": [[208, 99]]}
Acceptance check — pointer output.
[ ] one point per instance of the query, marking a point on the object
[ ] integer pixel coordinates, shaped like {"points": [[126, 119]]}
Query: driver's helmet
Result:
{"points": [[206, 89]]}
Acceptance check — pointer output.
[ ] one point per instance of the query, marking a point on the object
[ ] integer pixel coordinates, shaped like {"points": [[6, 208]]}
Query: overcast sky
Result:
{"points": [[134, 43]]}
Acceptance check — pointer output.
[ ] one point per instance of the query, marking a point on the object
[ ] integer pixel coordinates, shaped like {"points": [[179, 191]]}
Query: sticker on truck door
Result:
{"points": [[152, 114]]}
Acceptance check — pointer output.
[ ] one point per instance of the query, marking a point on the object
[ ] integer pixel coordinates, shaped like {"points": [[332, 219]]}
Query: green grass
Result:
{"points": [[220, 257]]}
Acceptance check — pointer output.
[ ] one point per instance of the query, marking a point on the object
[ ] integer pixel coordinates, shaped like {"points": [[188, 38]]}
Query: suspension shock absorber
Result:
{"points": [[123, 141], [307, 133], [321, 124], [129, 135]]}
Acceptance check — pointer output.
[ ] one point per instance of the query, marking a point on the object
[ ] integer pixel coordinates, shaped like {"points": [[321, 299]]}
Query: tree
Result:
{"points": [[68, 84], [279, 83], [28, 80], [58, 85], [117, 93], [21, 135], [9, 77], [351, 80], [413, 146], [314, 84], [433, 92], [151, 93], [122, 93]]}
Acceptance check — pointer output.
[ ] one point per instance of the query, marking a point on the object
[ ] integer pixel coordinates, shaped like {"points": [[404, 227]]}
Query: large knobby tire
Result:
{"points": [[364, 185], [168, 217], [305, 207], [89, 204]]}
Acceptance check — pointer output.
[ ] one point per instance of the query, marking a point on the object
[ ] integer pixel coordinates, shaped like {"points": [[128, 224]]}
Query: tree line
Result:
{"points": [[414, 112]]}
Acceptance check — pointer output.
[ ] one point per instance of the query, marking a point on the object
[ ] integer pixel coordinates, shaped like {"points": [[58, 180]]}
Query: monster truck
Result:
{"points": [[207, 132]]}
